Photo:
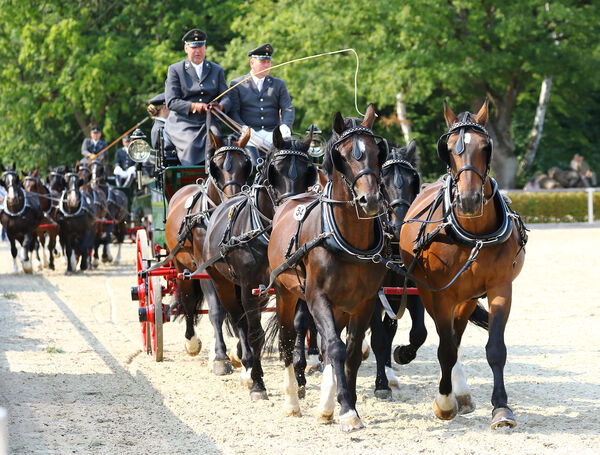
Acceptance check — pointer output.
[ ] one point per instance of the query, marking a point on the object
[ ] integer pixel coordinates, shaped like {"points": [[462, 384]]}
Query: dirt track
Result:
{"points": [[73, 381]]}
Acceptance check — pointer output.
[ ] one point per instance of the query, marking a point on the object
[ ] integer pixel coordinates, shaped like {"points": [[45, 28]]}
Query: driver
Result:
{"points": [[124, 166], [190, 87]]}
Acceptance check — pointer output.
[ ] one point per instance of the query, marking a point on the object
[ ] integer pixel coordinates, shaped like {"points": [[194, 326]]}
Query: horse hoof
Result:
{"points": [[366, 350], [404, 354], [95, 263], [465, 404], [503, 417], [222, 367], [301, 392], [325, 417], [350, 422], [235, 362], [193, 346], [292, 411], [383, 394], [391, 377], [445, 414], [310, 369], [259, 395]]}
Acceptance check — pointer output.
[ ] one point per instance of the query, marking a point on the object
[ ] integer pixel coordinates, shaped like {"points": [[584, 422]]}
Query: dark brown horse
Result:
{"points": [[229, 166], [20, 216], [337, 234], [241, 228], [471, 246], [48, 229]]}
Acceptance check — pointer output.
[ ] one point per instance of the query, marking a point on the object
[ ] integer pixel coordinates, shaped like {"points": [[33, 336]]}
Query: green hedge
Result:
{"points": [[554, 207]]}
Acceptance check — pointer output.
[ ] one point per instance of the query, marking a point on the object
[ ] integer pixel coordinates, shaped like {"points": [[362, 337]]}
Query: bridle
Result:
{"points": [[399, 164], [227, 165], [292, 173], [20, 194]]}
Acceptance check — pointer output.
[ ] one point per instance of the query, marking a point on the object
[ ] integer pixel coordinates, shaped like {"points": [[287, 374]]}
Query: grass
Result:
{"points": [[9, 296], [53, 350]]}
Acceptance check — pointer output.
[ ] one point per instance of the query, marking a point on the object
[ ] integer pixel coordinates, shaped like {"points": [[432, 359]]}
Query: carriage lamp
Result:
{"points": [[139, 149], [317, 144]]}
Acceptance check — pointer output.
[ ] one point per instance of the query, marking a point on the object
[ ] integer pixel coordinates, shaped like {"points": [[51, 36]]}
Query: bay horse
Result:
{"points": [[229, 167], [471, 244], [336, 235], [237, 238], [76, 217], [20, 216], [48, 229], [117, 212]]}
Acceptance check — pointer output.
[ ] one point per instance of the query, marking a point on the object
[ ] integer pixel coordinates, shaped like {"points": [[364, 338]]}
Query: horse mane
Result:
{"points": [[405, 153]]}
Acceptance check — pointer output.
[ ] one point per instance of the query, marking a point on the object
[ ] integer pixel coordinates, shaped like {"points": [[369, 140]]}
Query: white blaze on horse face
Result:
{"points": [[328, 389], [361, 146], [467, 138]]}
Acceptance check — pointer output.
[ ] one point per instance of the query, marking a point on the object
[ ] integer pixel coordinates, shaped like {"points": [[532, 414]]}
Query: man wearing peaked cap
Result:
{"points": [[262, 102], [160, 113], [190, 88], [93, 145]]}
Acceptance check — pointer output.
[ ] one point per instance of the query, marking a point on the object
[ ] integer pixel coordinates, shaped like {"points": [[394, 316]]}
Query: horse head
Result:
{"points": [[289, 169], [84, 172], [229, 164], [56, 178], [97, 171], [466, 148], [400, 182], [353, 152]]}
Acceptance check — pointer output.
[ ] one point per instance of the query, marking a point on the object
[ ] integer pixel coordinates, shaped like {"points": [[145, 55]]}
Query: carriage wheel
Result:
{"points": [[155, 331], [143, 254]]}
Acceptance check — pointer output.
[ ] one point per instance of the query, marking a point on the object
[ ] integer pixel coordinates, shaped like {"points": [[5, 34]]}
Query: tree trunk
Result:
{"points": [[504, 162], [538, 126], [401, 113]]}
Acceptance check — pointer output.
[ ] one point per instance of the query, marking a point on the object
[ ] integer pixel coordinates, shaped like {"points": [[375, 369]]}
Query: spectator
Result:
{"points": [[583, 169]]}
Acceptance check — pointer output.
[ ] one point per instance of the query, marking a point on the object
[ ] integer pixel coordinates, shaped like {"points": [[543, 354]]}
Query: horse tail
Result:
{"points": [[271, 334], [480, 316], [177, 308]]}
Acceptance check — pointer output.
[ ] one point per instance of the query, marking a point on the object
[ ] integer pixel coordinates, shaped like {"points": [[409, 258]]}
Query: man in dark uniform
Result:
{"points": [[262, 102], [93, 145], [191, 86], [159, 112], [124, 166]]}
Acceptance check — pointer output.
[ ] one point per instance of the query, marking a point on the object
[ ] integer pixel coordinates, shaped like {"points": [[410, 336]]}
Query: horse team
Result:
{"points": [[76, 205], [327, 241]]}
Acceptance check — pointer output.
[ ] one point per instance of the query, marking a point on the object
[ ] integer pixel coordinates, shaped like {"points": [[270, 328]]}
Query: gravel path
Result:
{"points": [[73, 380]]}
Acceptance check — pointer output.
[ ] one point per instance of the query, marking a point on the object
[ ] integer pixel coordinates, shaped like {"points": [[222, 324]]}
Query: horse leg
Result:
{"points": [[69, 254], [187, 299], [445, 405], [418, 332], [301, 323], [51, 247], [28, 247], [287, 305], [334, 375], [499, 300], [313, 363], [120, 235], [14, 251], [106, 256], [218, 354], [37, 243], [460, 388], [380, 345], [256, 338]]}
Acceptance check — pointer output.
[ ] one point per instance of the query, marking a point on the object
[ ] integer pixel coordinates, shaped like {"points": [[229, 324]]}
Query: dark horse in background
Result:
{"points": [[117, 212], [229, 167], [20, 216], [76, 217], [474, 246], [341, 233], [241, 226], [48, 228]]}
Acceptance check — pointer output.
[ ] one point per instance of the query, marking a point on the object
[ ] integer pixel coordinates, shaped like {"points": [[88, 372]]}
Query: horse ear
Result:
{"points": [[369, 117], [308, 139], [411, 149], [35, 173], [244, 139], [338, 123], [482, 115], [450, 116], [278, 138]]}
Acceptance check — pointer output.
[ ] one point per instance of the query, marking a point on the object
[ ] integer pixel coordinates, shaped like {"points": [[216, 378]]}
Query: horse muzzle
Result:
{"points": [[370, 203], [469, 203]]}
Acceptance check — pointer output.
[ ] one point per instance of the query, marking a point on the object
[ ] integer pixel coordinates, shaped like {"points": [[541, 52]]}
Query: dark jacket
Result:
{"points": [[265, 110], [122, 159], [88, 147]]}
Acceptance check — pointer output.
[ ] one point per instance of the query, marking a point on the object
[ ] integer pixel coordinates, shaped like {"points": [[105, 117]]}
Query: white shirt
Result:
{"points": [[198, 69], [258, 82]]}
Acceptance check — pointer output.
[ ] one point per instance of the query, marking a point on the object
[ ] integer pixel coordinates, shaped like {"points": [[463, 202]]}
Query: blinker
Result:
{"points": [[293, 171]]}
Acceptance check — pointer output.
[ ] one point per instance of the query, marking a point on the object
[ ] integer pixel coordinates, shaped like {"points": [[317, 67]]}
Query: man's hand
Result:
{"points": [[92, 156], [198, 108], [215, 104]]}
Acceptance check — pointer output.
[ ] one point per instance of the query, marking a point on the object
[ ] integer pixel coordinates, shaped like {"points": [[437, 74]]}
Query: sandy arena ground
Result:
{"points": [[74, 381]]}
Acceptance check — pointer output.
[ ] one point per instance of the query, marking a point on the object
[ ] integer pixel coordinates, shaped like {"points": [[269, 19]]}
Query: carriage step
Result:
{"points": [[386, 291]]}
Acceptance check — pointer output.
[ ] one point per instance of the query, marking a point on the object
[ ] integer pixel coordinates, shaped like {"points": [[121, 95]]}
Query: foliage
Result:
{"points": [[554, 207], [70, 63]]}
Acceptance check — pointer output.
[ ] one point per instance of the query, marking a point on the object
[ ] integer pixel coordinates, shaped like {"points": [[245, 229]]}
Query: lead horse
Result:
{"points": [[321, 251], [471, 245]]}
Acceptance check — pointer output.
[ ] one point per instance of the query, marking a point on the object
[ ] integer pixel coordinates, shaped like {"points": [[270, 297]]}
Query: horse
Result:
{"points": [[76, 217], [471, 244], [20, 216], [56, 183], [190, 208], [48, 229], [236, 242], [335, 235], [117, 212]]}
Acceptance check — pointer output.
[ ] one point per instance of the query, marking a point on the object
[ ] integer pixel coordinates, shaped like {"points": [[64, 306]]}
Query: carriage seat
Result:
{"points": [[170, 157]]}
